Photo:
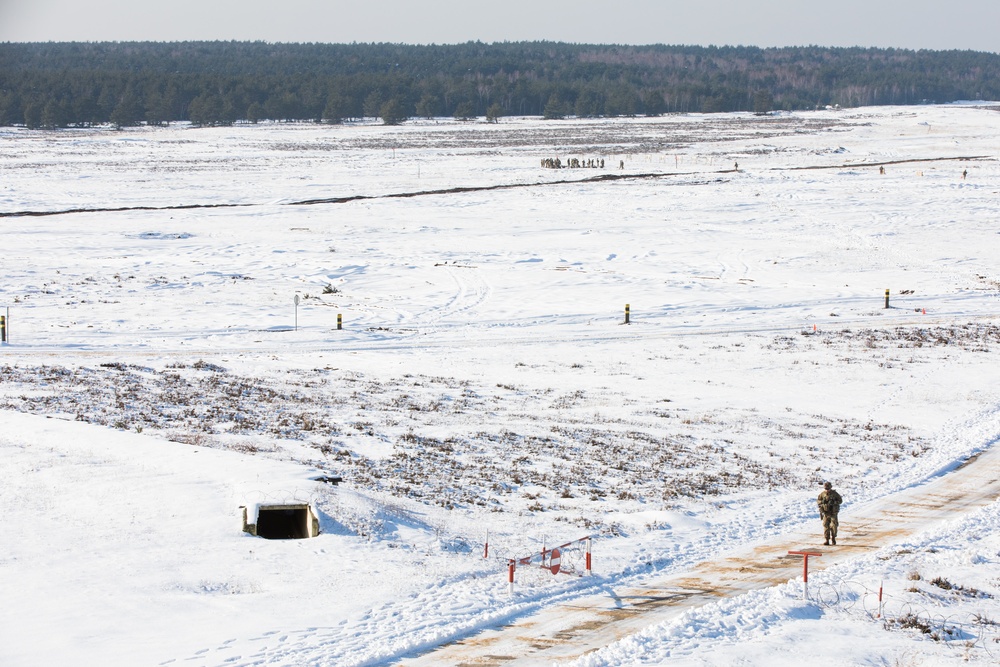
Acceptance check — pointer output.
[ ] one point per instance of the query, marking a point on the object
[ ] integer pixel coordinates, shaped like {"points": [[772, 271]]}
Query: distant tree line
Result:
{"points": [[50, 85]]}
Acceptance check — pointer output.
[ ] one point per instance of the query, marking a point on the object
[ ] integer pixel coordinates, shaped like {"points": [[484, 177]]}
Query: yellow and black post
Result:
{"points": [[626, 313], [3, 329], [340, 321], [887, 298]]}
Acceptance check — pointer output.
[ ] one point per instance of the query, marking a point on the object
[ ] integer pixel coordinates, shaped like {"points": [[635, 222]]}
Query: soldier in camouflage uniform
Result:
{"points": [[829, 506]]}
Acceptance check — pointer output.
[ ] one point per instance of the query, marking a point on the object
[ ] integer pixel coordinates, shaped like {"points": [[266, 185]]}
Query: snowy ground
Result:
{"points": [[484, 379]]}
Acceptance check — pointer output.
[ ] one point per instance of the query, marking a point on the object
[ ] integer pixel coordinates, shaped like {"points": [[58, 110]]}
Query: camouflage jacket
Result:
{"points": [[829, 502]]}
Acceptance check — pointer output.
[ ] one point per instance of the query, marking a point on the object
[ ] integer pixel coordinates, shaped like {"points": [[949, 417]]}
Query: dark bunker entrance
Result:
{"points": [[284, 522]]}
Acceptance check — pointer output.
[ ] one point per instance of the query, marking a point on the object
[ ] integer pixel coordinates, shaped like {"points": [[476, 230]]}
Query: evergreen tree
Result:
{"points": [[654, 104], [127, 112], [210, 110], [54, 115], [554, 109], [157, 109], [85, 110], [494, 112], [286, 106], [762, 102], [336, 109], [11, 112], [373, 104], [589, 104], [255, 112], [33, 115], [622, 101], [464, 111], [429, 106], [392, 112]]}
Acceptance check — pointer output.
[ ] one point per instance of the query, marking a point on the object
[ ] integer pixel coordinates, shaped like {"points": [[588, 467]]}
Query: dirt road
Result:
{"points": [[567, 631]]}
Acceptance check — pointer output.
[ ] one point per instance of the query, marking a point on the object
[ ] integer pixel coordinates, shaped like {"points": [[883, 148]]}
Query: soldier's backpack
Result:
{"points": [[830, 504]]}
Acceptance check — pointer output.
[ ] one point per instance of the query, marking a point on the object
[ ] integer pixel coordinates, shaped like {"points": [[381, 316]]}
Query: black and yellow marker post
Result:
{"points": [[3, 329], [627, 307], [887, 298], [340, 321]]}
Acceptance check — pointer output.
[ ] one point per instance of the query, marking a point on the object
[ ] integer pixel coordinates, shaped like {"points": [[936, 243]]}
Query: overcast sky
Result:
{"points": [[912, 24]]}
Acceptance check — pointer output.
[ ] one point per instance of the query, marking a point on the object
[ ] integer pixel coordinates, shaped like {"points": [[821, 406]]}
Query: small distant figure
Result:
{"points": [[829, 502], [881, 170], [736, 166], [965, 172], [621, 164]]}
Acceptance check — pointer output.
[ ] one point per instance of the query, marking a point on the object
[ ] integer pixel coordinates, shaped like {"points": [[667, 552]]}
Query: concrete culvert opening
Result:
{"points": [[283, 522]]}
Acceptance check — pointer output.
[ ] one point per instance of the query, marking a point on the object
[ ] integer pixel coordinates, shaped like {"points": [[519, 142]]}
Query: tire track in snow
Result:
{"points": [[729, 273], [471, 291]]}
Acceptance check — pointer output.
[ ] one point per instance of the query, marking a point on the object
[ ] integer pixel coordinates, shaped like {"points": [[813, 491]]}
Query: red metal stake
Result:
{"points": [[805, 569]]}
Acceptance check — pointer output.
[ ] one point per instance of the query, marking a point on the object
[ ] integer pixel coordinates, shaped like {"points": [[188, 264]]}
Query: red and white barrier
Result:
{"points": [[551, 560]]}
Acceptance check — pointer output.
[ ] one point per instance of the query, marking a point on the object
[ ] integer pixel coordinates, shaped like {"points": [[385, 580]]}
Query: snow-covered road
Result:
{"points": [[567, 631]]}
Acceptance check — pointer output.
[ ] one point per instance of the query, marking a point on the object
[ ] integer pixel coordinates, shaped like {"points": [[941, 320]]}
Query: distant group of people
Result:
{"points": [[572, 163]]}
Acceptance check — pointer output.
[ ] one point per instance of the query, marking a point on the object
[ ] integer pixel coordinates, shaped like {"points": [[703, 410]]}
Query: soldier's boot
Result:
{"points": [[833, 541], [827, 543]]}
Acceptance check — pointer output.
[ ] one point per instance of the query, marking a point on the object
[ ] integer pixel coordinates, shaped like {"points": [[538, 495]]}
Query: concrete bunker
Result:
{"points": [[290, 521]]}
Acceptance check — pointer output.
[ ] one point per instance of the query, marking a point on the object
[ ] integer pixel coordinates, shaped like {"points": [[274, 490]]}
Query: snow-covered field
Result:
{"points": [[174, 354]]}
